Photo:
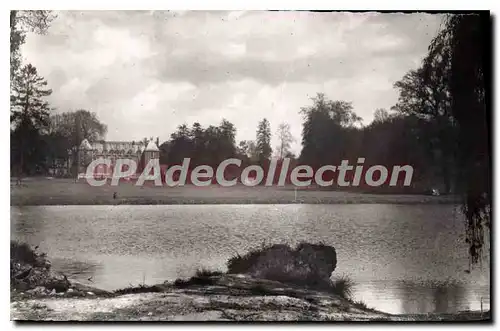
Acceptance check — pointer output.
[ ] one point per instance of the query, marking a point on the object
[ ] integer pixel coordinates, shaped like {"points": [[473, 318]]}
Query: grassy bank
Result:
{"points": [[41, 191]]}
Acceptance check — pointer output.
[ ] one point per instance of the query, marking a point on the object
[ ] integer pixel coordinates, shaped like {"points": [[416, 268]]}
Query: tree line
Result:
{"points": [[212, 145]]}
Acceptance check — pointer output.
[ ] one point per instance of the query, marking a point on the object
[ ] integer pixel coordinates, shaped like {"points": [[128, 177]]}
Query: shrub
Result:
{"points": [[343, 287], [22, 252], [241, 264], [360, 305], [202, 277], [207, 273]]}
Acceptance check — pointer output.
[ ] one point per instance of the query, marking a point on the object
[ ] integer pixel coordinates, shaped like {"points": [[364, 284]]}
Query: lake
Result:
{"points": [[403, 258]]}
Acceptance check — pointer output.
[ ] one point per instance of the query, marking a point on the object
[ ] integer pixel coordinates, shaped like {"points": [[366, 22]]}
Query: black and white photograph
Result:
{"points": [[250, 166]]}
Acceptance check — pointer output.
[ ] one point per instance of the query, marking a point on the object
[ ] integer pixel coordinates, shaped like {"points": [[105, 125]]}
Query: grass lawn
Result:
{"points": [[44, 191]]}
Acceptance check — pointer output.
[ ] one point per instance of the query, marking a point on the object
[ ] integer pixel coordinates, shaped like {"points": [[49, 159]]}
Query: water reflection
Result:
{"points": [[441, 297], [429, 297]]}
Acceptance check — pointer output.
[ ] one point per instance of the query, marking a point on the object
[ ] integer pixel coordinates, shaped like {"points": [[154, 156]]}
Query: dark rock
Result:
{"points": [[42, 262], [23, 274], [20, 285], [55, 281], [29, 277], [29, 270], [39, 290], [78, 289], [321, 258], [308, 264]]}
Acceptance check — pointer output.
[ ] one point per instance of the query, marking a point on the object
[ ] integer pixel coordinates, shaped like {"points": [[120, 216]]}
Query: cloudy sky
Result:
{"points": [[144, 73]]}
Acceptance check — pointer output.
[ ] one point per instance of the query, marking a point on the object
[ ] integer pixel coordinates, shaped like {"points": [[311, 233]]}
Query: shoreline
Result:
{"points": [[173, 202], [226, 297]]}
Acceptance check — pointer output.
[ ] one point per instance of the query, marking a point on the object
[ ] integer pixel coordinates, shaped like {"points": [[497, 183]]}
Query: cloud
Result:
{"points": [[146, 72]]}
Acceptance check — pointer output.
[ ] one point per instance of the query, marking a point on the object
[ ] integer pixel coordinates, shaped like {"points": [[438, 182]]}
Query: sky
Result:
{"points": [[146, 72]]}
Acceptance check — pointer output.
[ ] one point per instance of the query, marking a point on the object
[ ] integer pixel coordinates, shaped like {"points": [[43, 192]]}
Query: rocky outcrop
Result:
{"points": [[29, 269], [307, 264]]}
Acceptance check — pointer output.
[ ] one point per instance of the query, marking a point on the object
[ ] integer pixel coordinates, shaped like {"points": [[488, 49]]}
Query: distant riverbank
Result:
{"points": [[42, 191]]}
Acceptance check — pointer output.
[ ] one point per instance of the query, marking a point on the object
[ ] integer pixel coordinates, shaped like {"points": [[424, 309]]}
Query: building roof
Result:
{"points": [[151, 147]]}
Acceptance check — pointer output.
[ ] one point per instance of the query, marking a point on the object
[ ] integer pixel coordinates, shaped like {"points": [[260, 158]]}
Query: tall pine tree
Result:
{"points": [[29, 116], [263, 147]]}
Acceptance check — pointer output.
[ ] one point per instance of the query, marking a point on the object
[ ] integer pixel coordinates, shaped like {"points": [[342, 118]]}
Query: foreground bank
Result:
{"points": [[221, 298], [271, 283]]}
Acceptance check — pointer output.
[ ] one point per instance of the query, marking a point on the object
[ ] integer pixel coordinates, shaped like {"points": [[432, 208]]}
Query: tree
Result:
{"points": [[449, 92], [29, 112], [263, 141], [465, 42], [285, 139], [55, 147], [340, 112], [27, 101], [204, 146], [164, 152], [28, 151], [328, 131], [424, 93], [253, 153], [22, 21], [78, 125], [381, 115], [248, 150], [397, 140], [227, 142], [67, 130]]}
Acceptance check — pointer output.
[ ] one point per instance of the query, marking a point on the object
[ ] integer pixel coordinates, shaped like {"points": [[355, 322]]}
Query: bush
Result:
{"points": [[308, 265], [360, 305], [22, 253], [201, 277], [201, 281], [207, 273]]}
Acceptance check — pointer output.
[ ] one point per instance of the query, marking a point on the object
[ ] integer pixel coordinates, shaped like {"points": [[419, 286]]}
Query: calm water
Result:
{"points": [[403, 258]]}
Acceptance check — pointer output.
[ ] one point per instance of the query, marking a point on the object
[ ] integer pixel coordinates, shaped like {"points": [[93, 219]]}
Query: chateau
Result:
{"points": [[113, 150]]}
